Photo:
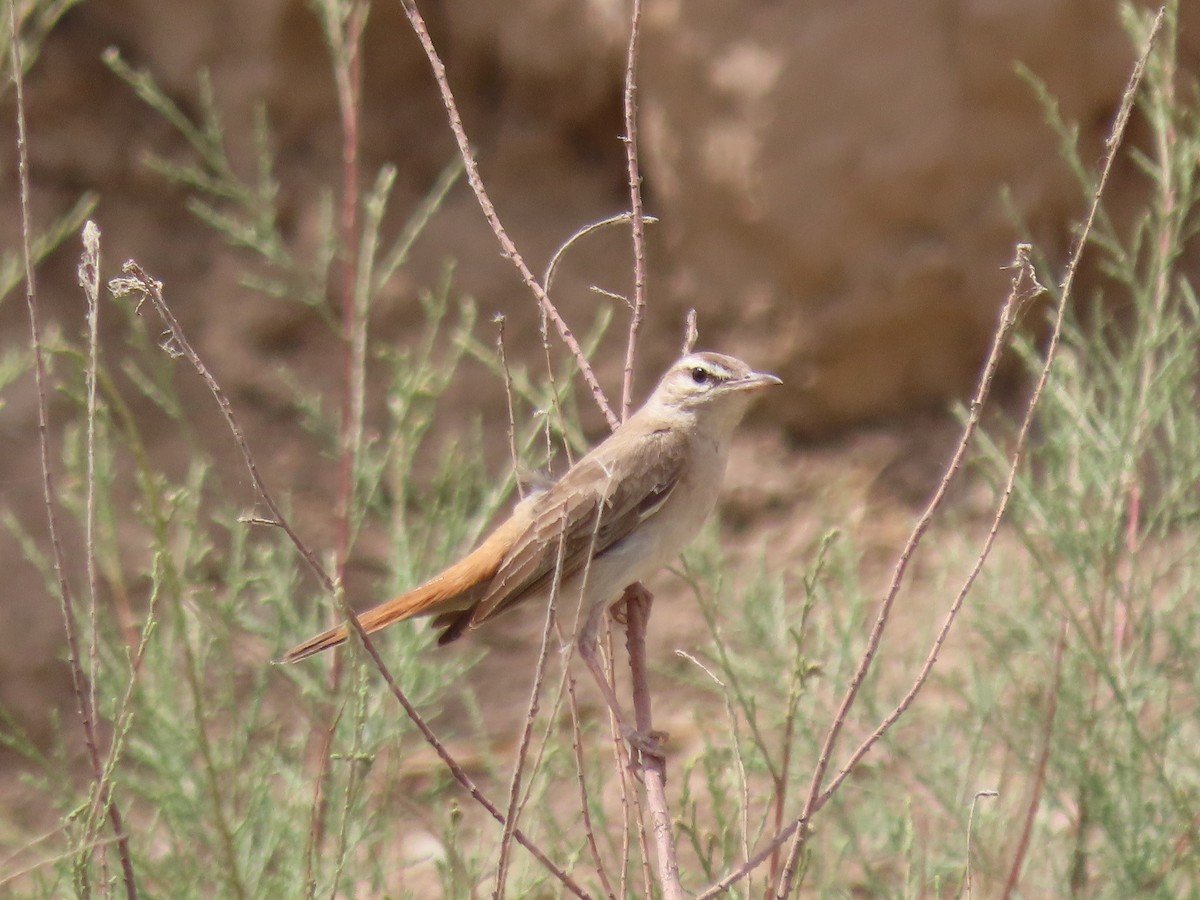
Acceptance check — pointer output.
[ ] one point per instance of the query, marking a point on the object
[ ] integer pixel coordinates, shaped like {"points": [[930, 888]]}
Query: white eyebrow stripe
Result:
{"points": [[709, 365]]}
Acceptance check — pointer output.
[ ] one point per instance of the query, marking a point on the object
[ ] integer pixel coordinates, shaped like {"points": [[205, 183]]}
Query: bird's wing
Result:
{"points": [[597, 503]]}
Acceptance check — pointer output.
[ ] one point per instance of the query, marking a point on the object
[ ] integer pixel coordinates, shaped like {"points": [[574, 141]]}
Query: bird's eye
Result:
{"points": [[700, 375]]}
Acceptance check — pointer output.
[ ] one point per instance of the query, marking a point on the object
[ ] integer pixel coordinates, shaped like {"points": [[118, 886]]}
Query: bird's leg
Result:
{"points": [[645, 743]]}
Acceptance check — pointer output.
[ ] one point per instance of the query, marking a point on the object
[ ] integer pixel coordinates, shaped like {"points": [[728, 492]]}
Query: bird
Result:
{"points": [[618, 515]]}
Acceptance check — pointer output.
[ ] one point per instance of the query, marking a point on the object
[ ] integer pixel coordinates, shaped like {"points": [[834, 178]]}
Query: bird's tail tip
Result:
{"points": [[314, 645]]}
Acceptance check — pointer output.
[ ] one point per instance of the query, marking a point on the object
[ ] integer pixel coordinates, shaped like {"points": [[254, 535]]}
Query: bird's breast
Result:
{"points": [[674, 526]]}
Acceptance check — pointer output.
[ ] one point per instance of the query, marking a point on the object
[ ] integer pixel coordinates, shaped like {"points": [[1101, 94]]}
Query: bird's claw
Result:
{"points": [[646, 744], [635, 593]]}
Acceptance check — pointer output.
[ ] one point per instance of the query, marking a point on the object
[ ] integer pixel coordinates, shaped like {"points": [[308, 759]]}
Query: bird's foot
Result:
{"points": [[646, 744], [635, 593]]}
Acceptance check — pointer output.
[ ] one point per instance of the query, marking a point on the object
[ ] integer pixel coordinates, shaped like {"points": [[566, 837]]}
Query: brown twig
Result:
{"points": [[622, 760], [816, 797], [507, 247], [66, 601], [136, 282], [515, 803], [654, 769], [456, 770], [743, 780], [638, 599], [637, 219], [556, 403]]}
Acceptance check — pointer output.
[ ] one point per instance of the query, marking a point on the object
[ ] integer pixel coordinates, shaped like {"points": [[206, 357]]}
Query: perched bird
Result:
{"points": [[617, 516]]}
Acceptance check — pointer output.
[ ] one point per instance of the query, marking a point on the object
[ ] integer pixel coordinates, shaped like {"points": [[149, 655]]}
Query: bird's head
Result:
{"points": [[710, 386]]}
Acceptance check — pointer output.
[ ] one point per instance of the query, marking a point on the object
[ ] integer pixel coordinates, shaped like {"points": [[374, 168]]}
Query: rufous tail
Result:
{"points": [[442, 593], [395, 610]]}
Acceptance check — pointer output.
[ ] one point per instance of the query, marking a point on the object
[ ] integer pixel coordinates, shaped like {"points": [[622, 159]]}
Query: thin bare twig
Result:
{"points": [[552, 267], [585, 812], [514, 457], [624, 765], [553, 713], [691, 333], [626, 824], [516, 802], [66, 602], [456, 770], [507, 247], [535, 696], [611, 295], [637, 219], [136, 282], [743, 780], [639, 600]]}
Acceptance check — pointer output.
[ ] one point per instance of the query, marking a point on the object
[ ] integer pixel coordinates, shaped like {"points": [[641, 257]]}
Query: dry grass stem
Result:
{"points": [[66, 602], [979, 795]]}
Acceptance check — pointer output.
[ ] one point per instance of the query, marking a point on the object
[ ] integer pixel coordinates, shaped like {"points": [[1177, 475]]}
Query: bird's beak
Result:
{"points": [[756, 381]]}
